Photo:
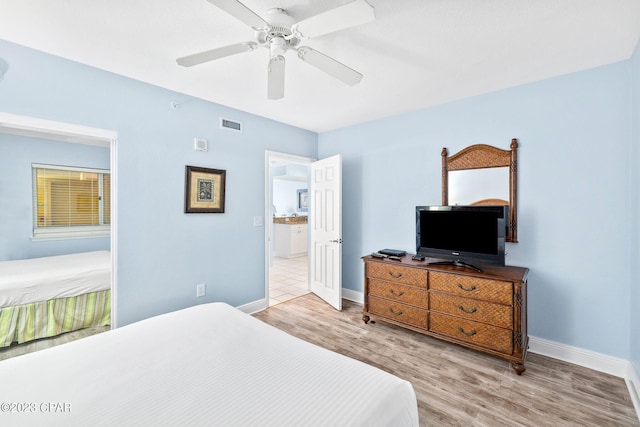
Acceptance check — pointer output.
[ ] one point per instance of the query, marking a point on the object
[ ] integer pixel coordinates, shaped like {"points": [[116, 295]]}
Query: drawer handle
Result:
{"points": [[469, 334], [395, 276], [398, 294], [397, 313], [473, 310], [472, 288]]}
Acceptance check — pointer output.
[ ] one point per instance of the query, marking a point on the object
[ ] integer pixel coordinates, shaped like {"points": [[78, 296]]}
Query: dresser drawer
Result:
{"points": [[398, 292], [397, 273], [490, 337], [472, 287], [480, 311], [399, 312]]}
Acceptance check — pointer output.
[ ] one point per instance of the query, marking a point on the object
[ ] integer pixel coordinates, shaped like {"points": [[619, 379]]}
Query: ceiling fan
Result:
{"points": [[279, 33]]}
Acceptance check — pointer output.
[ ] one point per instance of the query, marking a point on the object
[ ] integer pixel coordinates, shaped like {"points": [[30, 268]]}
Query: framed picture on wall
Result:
{"points": [[303, 200], [204, 190]]}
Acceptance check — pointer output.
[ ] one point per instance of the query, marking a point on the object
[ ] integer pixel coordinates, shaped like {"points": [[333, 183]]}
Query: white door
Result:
{"points": [[325, 230]]}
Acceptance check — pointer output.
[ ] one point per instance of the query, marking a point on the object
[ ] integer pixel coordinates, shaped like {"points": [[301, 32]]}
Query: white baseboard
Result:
{"points": [[355, 296], [262, 304], [633, 384], [589, 359], [255, 306]]}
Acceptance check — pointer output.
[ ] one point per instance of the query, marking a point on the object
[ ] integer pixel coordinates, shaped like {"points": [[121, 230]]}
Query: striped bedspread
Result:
{"points": [[45, 319]]}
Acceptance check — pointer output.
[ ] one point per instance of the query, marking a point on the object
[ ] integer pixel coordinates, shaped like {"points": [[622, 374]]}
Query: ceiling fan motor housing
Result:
{"points": [[278, 35]]}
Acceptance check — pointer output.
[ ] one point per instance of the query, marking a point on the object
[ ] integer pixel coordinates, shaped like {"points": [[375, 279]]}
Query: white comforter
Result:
{"points": [[209, 365], [41, 279]]}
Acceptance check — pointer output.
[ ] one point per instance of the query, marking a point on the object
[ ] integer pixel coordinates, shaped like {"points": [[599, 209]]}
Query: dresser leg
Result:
{"points": [[518, 367], [365, 318]]}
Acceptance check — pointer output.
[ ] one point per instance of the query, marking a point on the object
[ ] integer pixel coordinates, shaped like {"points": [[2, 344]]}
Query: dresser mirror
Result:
{"points": [[467, 187], [482, 175]]}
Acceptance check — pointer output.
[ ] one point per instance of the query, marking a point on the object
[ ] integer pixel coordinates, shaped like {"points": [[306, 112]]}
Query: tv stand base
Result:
{"points": [[457, 263]]}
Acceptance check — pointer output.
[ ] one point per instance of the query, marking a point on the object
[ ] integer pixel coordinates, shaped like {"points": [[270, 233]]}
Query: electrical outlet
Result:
{"points": [[200, 290]]}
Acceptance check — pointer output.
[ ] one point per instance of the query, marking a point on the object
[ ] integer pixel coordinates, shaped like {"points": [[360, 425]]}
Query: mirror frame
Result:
{"points": [[481, 156]]}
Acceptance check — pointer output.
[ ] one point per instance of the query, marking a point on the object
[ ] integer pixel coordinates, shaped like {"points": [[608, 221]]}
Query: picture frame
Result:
{"points": [[204, 190], [303, 200]]}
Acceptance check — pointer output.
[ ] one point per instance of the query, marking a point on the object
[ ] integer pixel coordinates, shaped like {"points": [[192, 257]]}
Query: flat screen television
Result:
{"points": [[462, 235]]}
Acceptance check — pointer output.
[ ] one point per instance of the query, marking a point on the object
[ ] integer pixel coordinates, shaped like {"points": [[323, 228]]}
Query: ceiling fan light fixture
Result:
{"points": [[275, 78], [278, 46]]}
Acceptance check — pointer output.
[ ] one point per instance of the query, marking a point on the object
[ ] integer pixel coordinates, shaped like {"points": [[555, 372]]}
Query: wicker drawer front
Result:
{"points": [[399, 312], [398, 292], [480, 311], [473, 287], [397, 273], [473, 332]]}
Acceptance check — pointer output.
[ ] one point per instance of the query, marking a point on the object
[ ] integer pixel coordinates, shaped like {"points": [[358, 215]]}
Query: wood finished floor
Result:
{"points": [[456, 386]]}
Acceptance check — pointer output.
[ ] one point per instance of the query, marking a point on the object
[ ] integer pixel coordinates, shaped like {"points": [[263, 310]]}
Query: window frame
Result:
{"points": [[72, 231]]}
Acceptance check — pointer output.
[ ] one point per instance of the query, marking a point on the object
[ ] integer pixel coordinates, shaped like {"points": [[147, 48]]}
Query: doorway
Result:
{"points": [[286, 226], [68, 132]]}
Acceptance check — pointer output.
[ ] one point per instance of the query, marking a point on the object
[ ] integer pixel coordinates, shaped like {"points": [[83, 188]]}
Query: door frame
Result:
{"points": [[68, 132], [269, 158]]}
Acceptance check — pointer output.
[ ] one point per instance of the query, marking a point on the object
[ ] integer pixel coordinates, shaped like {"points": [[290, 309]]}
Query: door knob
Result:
{"points": [[336, 241]]}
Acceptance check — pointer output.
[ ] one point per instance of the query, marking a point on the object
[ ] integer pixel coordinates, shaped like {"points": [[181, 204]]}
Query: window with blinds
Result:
{"points": [[70, 202]]}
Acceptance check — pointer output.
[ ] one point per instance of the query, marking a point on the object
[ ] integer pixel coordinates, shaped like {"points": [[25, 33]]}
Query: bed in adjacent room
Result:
{"points": [[44, 297], [209, 365]]}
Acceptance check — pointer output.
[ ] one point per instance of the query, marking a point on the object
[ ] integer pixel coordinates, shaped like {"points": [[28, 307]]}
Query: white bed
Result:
{"points": [[209, 365], [40, 279], [44, 297]]}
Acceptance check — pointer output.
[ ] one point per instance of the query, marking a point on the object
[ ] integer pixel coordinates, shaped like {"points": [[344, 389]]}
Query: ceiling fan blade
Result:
{"points": [[210, 55], [240, 12], [349, 15], [329, 65], [275, 81]]}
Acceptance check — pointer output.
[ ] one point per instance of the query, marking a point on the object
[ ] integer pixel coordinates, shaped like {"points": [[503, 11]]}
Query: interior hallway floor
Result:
{"points": [[288, 279]]}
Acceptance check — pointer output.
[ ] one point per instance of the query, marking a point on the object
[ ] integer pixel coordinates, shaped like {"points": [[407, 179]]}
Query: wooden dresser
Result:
{"points": [[484, 311]]}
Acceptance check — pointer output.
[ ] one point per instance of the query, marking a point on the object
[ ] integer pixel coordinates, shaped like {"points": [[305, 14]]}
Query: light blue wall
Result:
{"points": [[573, 189], [635, 218], [576, 187], [162, 252], [17, 153]]}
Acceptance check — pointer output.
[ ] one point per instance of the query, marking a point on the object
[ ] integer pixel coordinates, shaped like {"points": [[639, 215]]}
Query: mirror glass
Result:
{"points": [[469, 186], [481, 174]]}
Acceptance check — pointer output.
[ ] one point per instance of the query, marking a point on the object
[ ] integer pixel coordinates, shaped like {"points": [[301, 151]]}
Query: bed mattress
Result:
{"points": [[42, 279], [209, 365]]}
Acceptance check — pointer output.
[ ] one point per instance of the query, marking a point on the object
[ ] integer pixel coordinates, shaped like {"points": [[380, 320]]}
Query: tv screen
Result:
{"points": [[465, 234]]}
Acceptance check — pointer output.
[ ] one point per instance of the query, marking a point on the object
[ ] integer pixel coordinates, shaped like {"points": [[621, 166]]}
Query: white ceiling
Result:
{"points": [[417, 53]]}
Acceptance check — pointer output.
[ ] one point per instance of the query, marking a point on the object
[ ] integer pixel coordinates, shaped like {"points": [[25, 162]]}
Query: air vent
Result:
{"points": [[230, 124]]}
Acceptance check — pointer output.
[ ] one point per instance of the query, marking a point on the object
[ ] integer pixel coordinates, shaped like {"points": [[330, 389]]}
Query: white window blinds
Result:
{"points": [[70, 202]]}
